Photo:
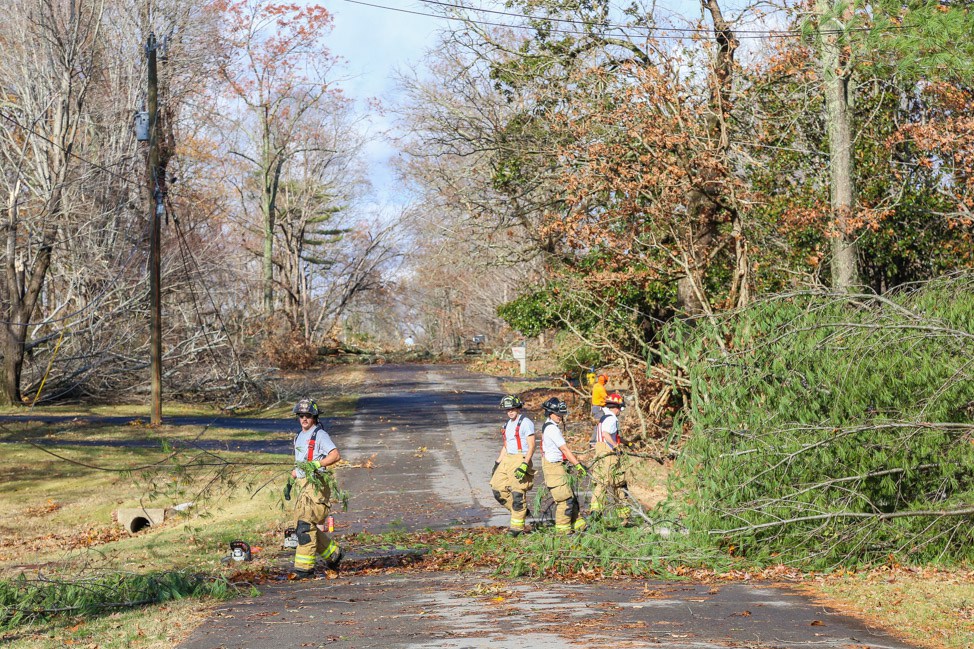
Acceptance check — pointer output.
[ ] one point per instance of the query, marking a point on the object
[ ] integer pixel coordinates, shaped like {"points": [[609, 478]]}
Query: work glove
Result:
{"points": [[287, 488], [316, 464], [521, 471], [494, 470], [581, 470]]}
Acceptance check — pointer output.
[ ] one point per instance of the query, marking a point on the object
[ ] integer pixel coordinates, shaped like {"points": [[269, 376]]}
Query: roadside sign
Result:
{"points": [[520, 353]]}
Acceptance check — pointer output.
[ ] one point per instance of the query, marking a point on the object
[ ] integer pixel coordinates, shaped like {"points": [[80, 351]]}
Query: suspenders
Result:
{"points": [[617, 437], [546, 424], [311, 443], [517, 433]]}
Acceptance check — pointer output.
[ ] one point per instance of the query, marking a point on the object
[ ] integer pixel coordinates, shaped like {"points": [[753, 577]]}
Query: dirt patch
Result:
{"points": [[534, 397], [647, 480]]}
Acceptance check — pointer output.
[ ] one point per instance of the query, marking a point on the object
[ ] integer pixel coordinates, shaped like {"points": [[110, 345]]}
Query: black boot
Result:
{"points": [[335, 560]]}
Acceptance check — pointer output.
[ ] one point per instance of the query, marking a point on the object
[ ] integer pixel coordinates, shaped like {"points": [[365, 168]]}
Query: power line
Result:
{"points": [[589, 23], [187, 251], [670, 33]]}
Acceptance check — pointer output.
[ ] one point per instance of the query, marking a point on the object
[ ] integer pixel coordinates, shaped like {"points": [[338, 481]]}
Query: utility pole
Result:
{"points": [[155, 236]]}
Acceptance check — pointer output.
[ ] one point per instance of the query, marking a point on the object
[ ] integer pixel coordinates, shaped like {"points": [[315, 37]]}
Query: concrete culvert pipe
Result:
{"points": [[136, 519], [139, 523]]}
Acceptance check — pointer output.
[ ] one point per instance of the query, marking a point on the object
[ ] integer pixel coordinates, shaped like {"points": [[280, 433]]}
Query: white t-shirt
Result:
{"points": [[526, 430], [551, 441], [323, 446], [608, 429]]}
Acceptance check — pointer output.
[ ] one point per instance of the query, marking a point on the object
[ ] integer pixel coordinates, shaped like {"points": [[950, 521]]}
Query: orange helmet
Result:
{"points": [[615, 400], [603, 378]]}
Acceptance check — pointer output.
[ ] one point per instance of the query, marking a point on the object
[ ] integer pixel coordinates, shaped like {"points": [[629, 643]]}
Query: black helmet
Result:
{"points": [[555, 406], [306, 406], [511, 401]]}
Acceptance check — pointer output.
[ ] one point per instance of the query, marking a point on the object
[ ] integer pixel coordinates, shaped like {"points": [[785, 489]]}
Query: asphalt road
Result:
{"points": [[421, 447]]}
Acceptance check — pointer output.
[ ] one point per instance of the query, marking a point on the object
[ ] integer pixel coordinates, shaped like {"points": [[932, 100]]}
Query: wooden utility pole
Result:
{"points": [[155, 235]]}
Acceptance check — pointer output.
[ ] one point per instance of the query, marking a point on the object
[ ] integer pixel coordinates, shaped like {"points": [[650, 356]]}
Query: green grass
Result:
{"points": [[162, 628], [72, 496], [930, 608], [337, 406], [56, 521], [82, 430], [25, 601], [134, 410], [332, 406]]}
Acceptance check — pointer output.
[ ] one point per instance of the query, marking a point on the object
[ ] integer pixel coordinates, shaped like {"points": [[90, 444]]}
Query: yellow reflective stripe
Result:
{"points": [[330, 550], [563, 528], [517, 524]]}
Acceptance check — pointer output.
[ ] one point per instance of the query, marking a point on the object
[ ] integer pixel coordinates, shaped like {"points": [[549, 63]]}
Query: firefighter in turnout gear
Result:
{"points": [[608, 474], [513, 474], [312, 444], [555, 455]]}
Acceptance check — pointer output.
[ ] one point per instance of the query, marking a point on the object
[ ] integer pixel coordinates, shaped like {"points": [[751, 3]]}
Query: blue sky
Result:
{"points": [[376, 42]]}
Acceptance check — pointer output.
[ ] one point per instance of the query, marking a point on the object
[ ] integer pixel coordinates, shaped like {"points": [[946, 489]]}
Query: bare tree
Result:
{"points": [[319, 193], [49, 61], [277, 70]]}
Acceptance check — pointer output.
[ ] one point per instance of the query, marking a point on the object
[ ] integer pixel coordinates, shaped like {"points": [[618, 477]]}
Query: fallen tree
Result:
{"points": [[832, 429]]}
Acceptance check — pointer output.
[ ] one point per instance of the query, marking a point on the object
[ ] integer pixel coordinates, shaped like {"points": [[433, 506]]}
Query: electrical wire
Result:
{"points": [[183, 246], [608, 25], [216, 310], [668, 33]]}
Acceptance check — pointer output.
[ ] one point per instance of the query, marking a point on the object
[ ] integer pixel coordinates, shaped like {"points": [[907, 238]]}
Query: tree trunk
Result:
{"points": [[271, 162], [21, 301], [837, 78], [52, 93], [13, 350], [704, 203]]}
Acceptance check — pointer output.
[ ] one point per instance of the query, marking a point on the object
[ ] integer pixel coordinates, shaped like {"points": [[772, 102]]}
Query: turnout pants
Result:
{"points": [[608, 479], [310, 511], [511, 492], [566, 503]]}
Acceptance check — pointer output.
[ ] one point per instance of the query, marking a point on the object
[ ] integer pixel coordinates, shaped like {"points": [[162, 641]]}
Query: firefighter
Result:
{"points": [[608, 474], [513, 474], [312, 444], [555, 455]]}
